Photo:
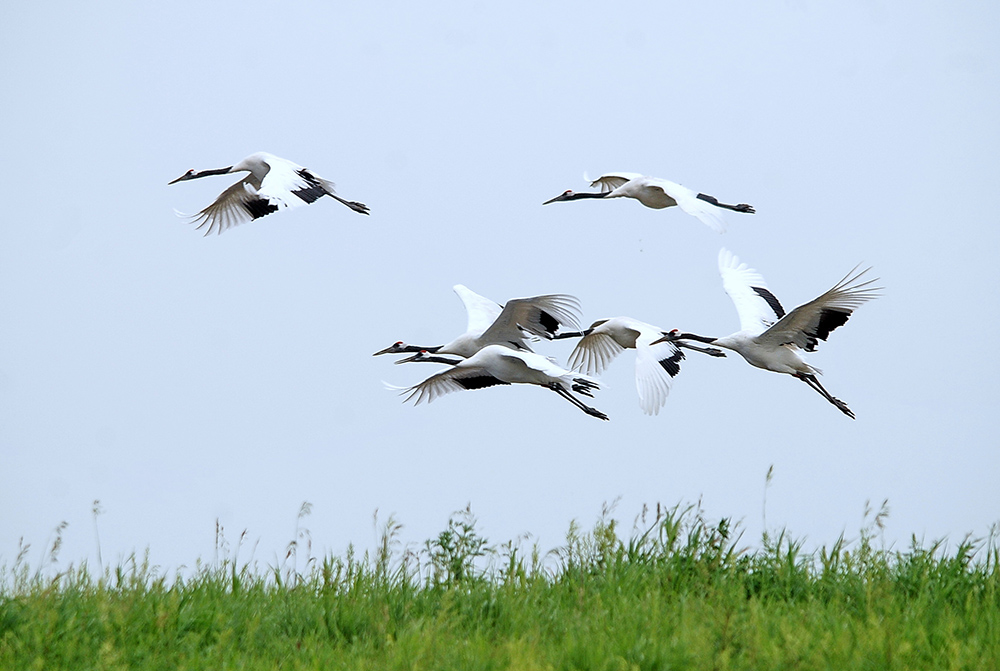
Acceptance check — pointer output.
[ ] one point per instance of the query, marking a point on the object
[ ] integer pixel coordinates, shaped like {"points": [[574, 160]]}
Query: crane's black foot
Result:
{"points": [[584, 387], [712, 351], [743, 207], [843, 407], [360, 208], [594, 412]]}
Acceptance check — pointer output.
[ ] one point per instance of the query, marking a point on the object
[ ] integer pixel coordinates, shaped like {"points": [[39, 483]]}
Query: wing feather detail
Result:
{"points": [[541, 316], [612, 180], [481, 311], [747, 289], [655, 369], [448, 381], [594, 353], [811, 322]]}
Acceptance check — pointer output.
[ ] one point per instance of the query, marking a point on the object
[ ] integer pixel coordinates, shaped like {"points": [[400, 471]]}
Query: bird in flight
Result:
{"points": [[510, 324], [771, 339], [656, 366], [496, 365], [657, 194], [273, 183]]}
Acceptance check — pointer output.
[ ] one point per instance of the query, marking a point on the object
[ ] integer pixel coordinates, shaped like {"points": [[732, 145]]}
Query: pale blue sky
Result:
{"points": [[182, 379]]}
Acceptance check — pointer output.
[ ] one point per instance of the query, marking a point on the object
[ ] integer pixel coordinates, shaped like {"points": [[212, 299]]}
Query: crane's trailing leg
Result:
{"points": [[593, 412], [360, 208], [742, 207], [710, 351], [813, 382]]}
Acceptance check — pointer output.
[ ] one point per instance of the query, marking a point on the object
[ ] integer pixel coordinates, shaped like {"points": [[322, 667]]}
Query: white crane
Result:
{"points": [[273, 183], [657, 194], [493, 324], [771, 339], [497, 364], [655, 365]]}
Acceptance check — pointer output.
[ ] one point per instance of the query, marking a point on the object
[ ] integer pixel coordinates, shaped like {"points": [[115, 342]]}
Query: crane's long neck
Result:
{"points": [[214, 171], [417, 348], [586, 194], [572, 334], [441, 359], [692, 336]]}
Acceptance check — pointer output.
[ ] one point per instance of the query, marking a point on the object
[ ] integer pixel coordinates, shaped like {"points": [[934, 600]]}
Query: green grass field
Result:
{"points": [[676, 592]]}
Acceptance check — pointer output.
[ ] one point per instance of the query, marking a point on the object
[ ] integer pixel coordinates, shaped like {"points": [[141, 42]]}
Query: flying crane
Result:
{"points": [[273, 183]]}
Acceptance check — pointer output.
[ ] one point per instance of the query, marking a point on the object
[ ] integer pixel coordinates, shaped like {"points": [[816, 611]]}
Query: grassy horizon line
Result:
{"points": [[676, 591]]}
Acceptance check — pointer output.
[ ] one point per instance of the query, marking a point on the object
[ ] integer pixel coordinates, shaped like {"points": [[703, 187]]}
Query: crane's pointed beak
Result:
{"points": [[190, 174], [667, 337], [561, 196], [409, 358]]}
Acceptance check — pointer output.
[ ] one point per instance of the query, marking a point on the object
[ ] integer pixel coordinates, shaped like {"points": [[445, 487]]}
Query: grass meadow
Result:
{"points": [[673, 591]]}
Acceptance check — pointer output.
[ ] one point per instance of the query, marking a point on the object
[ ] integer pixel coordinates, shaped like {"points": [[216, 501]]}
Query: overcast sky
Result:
{"points": [[182, 380]]}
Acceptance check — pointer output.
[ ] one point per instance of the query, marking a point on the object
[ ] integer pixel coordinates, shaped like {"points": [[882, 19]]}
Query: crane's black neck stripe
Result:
{"points": [[771, 299], [586, 194]]}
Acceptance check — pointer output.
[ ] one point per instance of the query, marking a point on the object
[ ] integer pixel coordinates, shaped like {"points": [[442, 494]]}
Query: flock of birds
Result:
{"points": [[495, 348]]}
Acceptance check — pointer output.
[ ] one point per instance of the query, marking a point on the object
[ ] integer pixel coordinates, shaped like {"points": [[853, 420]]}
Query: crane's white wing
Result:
{"points": [[482, 311], [612, 180], [655, 369], [238, 204], [758, 308], [689, 201], [457, 378], [530, 368], [539, 315], [594, 353], [284, 185], [292, 185], [807, 324]]}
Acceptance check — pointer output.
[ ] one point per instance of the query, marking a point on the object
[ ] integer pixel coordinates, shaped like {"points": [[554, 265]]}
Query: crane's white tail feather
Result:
{"points": [[572, 378], [577, 377], [706, 215], [328, 186]]}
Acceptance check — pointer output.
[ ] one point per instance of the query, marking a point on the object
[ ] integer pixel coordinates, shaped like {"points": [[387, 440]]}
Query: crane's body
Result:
{"points": [[499, 365], [273, 183], [655, 365], [657, 194], [510, 324], [773, 340]]}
